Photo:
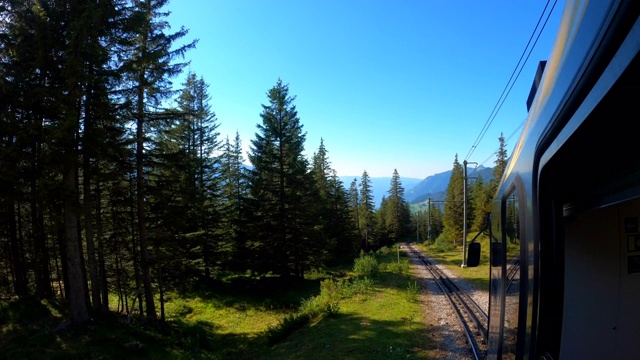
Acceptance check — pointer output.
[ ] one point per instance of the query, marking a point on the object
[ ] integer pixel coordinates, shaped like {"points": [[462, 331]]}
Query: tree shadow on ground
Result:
{"points": [[271, 293], [348, 336], [29, 330]]}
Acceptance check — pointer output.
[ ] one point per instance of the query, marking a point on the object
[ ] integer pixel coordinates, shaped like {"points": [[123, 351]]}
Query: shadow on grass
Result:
{"points": [[347, 336], [271, 293], [29, 330]]}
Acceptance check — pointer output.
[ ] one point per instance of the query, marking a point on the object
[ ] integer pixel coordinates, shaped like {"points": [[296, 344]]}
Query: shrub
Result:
{"points": [[412, 290], [401, 267], [361, 286], [325, 303], [443, 244], [383, 250], [366, 265]]}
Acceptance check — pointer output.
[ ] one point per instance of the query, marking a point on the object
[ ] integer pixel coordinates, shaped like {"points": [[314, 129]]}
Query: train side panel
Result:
{"points": [[568, 237]]}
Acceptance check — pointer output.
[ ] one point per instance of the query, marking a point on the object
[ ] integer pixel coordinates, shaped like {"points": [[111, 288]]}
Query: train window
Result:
{"points": [[511, 243]]}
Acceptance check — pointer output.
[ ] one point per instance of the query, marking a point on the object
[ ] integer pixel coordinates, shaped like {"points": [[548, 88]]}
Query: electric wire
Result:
{"points": [[508, 87], [512, 84]]}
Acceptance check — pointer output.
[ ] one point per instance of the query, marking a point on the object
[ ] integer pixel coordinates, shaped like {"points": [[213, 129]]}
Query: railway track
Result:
{"points": [[513, 270], [471, 316]]}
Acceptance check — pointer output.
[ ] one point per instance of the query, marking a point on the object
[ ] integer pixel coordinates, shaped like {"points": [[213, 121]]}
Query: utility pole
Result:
{"points": [[464, 211], [429, 221]]}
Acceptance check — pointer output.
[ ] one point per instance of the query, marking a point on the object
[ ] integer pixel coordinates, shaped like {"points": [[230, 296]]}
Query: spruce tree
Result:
{"points": [[453, 217], [398, 215], [336, 237], [234, 194], [480, 201], [280, 186], [149, 68], [183, 191], [354, 205], [342, 228], [498, 170], [366, 211], [435, 222]]}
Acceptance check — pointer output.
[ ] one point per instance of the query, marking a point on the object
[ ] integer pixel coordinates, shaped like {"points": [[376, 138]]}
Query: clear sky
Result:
{"points": [[395, 84]]}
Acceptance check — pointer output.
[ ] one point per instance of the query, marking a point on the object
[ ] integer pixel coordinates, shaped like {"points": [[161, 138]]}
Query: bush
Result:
{"points": [[361, 286], [325, 303], [401, 267], [412, 290], [443, 244], [366, 265]]}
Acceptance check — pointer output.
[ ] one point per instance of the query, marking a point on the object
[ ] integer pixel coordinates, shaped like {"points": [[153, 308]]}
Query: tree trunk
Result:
{"points": [[61, 289], [20, 285], [62, 247], [102, 270], [78, 314], [140, 198], [88, 214], [40, 252], [134, 255]]}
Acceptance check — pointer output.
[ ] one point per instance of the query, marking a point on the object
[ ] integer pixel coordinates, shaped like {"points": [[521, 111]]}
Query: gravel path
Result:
{"points": [[444, 326]]}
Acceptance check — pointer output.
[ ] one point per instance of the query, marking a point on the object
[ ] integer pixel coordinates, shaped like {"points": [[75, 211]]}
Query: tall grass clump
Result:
{"points": [[325, 303], [366, 265], [359, 287], [311, 309], [412, 290]]}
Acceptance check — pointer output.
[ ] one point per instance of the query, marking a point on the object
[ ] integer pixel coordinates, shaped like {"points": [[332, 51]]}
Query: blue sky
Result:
{"points": [[388, 85]]}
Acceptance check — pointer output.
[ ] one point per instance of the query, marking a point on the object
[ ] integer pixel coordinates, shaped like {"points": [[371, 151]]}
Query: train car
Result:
{"points": [[565, 222]]}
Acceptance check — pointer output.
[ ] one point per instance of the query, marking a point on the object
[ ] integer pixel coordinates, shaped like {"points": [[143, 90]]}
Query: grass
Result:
{"points": [[479, 276], [378, 317]]}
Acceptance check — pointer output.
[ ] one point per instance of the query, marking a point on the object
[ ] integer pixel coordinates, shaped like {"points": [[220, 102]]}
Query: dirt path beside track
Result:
{"points": [[444, 329]]}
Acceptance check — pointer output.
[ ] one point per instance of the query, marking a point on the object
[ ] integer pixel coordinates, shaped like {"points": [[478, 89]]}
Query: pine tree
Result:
{"points": [[149, 67], [333, 218], [354, 205], [398, 215], [280, 185], [453, 209], [381, 228], [500, 165], [435, 222], [322, 192], [234, 194], [480, 202], [366, 211], [342, 227]]}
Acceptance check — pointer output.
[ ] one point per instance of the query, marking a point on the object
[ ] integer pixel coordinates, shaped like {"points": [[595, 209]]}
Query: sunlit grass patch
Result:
{"points": [[452, 259], [332, 314]]}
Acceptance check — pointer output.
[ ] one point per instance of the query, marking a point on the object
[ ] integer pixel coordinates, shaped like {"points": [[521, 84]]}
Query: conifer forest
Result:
{"points": [[116, 186]]}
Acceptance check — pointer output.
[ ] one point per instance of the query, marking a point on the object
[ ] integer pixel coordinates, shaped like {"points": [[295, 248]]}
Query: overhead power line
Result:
{"points": [[516, 72], [506, 141]]}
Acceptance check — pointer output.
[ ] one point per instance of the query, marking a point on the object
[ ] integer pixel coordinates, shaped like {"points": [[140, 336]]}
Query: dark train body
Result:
{"points": [[568, 206]]}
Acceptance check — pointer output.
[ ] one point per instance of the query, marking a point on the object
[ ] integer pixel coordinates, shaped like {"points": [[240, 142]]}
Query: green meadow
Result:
{"points": [[366, 310]]}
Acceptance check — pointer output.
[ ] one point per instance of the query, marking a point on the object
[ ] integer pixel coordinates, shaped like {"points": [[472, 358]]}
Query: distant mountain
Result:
{"points": [[380, 186], [435, 186]]}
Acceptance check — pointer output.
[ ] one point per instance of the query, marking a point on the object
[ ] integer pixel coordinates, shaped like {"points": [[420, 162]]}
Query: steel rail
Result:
{"points": [[451, 290], [464, 299], [511, 273]]}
